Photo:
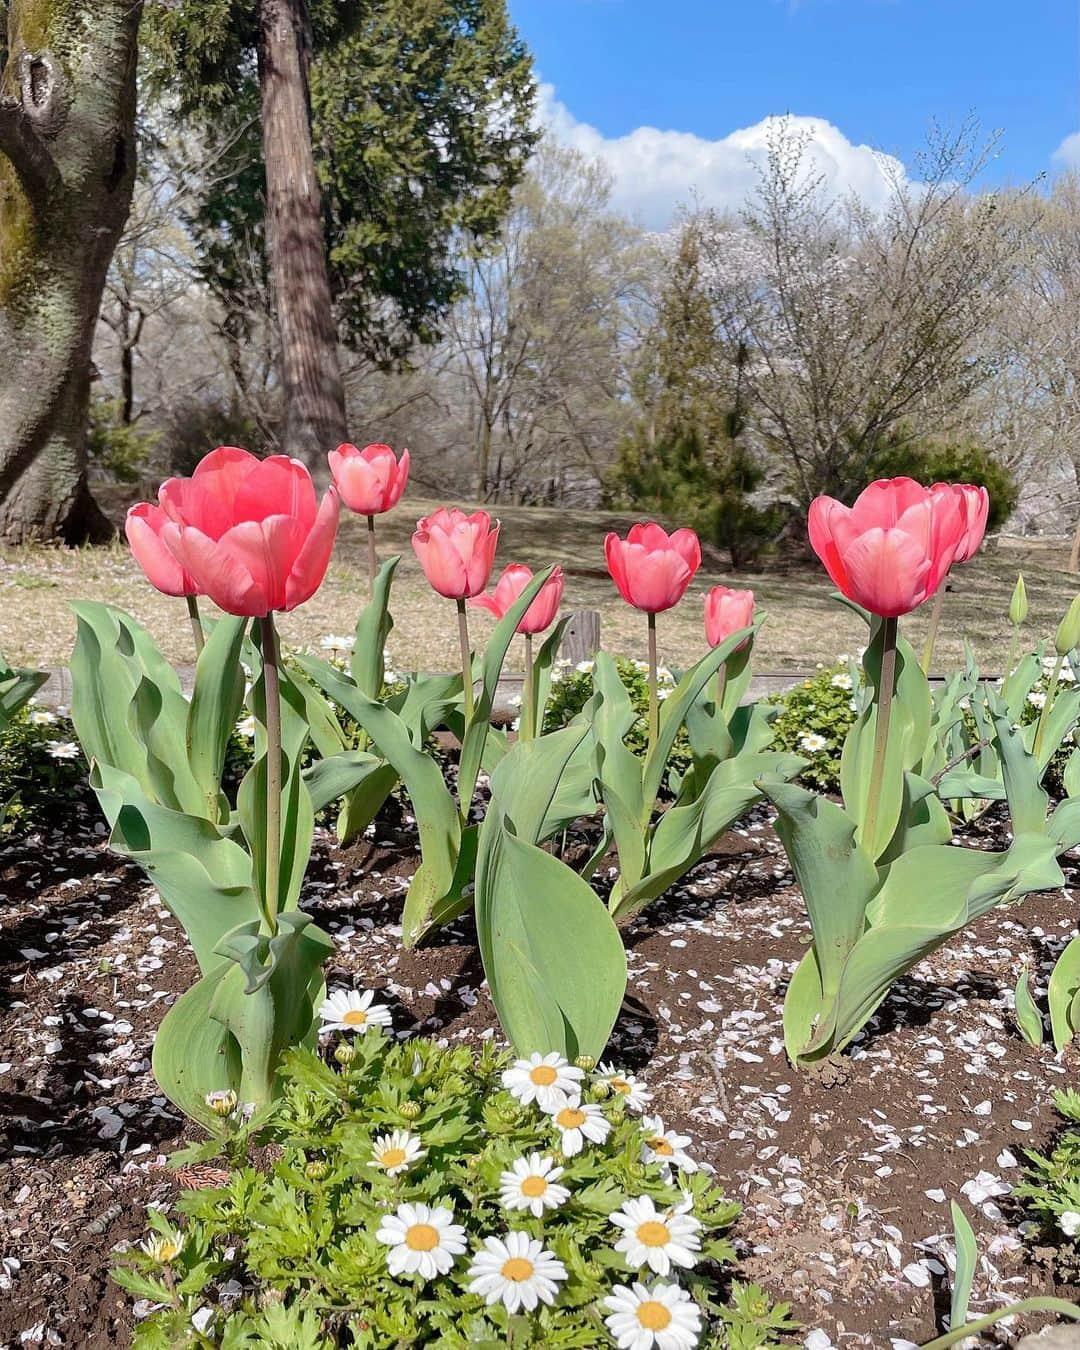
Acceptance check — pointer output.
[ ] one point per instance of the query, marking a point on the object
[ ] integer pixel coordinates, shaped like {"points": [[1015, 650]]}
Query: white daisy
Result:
{"points": [[548, 1080], [625, 1085], [577, 1121], [395, 1152], [585, 667], [246, 728], [423, 1240], [811, 742], [350, 1010], [162, 1248], [841, 680], [665, 1146], [64, 750], [1069, 1222], [335, 642], [530, 1184], [517, 1270], [656, 1239], [1037, 698], [42, 718], [1068, 675], [664, 676], [661, 1315]]}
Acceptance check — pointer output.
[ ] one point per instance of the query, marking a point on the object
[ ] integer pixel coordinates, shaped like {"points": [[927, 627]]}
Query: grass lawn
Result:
{"points": [[804, 627]]}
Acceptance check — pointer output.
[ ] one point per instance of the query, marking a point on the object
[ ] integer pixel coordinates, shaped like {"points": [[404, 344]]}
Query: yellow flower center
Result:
{"points": [[421, 1237], [533, 1186], [653, 1316], [653, 1233], [543, 1075], [517, 1269], [569, 1118], [659, 1144], [392, 1157], [355, 1017], [621, 1086]]}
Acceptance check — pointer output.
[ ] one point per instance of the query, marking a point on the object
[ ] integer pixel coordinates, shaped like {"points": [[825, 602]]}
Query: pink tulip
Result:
{"points": [[250, 531], [978, 508], [541, 613], [890, 551], [143, 530], [370, 481], [456, 551], [726, 611], [651, 569]]}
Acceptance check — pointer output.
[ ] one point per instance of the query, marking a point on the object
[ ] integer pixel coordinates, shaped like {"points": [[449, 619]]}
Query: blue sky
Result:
{"points": [[874, 70]]}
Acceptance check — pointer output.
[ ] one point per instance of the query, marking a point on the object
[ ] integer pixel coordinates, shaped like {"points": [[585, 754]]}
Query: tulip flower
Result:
{"points": [[457, 553], [255, 539], [163, 571], [890, 552], [977, 507], [369, 482], [538, 618], [726, 611], [652, 571]]}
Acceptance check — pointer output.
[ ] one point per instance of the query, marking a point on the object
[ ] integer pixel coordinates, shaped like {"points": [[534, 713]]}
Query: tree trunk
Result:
{"points": [[67, 166], [1074, 552], [314, 394]]}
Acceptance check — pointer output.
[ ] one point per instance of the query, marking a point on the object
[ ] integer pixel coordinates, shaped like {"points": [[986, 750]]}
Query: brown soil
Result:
{"points": [[845, 1175]]}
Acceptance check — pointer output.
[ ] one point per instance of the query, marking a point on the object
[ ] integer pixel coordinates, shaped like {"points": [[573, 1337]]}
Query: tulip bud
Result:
{"points": [[411, 1110], [344, 1053], [1068, 633], [1018, 605]]}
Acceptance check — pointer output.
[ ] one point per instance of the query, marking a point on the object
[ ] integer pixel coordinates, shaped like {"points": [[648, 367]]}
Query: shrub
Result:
{"points": [[121, 450], [300, 1251], [814, 718], [572, 687], [42, 770]]}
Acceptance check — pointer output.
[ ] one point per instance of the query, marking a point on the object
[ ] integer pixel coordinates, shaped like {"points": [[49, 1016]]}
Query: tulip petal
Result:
{"points": [[220, 574], [311, 563], [886, 572], [163, 570]]}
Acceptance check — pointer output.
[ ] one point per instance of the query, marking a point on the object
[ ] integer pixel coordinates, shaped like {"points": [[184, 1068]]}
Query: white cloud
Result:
{"points": [[655, 171], [1068, 152]]}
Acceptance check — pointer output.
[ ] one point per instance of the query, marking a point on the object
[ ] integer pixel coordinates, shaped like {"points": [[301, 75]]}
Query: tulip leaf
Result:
{"points": [[967, 1259], [216, 701], [195, 1055], [17, 688], [1063, 996], [373, 627], [1028, 1018]]}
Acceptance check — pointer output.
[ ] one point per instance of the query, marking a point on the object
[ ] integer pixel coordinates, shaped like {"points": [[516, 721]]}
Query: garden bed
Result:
{"points": [[845, 1175]]}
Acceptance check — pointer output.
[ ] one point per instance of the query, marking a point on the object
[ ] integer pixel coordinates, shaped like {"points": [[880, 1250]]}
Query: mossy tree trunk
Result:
{"points": [[67, 167]]}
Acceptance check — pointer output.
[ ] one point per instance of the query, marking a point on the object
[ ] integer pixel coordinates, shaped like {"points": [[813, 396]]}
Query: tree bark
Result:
{"points": [[314, 421], [67, 167]]}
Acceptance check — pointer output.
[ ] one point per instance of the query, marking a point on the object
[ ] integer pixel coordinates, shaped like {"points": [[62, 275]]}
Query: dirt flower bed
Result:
{"points": [[845, 1175]]}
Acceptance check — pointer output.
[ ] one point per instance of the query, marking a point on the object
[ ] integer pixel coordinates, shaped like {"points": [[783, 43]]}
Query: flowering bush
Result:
{"points": [[815, 716], [42, 769], [572, 687], [425, 1196], [1051, 1191]]}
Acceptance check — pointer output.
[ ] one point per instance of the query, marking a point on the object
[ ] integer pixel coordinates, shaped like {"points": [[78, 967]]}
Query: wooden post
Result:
{"points": [[581, 641]]}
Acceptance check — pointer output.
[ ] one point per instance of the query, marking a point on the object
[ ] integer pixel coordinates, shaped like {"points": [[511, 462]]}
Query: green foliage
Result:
{"points": [[422, 126], [299, 1230], [42, 770], [813, 720], [572, 688], [899, 455], [119, 449], [1051, 1191]]}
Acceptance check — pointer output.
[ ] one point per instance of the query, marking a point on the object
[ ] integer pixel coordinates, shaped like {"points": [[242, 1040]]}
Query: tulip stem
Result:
{"points": [[654, 702], [883, 697], [372, 556], [196, 624], [1012, 650], [466, 662], [931, 636], [272, 700], [721, 686], [1047, 707], [528, 712]]}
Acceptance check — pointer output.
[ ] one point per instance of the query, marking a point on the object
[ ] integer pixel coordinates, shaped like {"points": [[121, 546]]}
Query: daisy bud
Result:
{"points": [[585, 1062], [411, 1110], [1068, 633], [344, 1053], [1018, 605], [222, 1103], [600, 1091], [316, 1169]]}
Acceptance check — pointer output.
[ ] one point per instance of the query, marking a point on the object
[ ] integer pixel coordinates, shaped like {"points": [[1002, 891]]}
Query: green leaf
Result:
{"points": [[967, 1258], [194, 1055], [1028, 1018], [1063, 996], [215, 705], [17, 688], [373, 627]]}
